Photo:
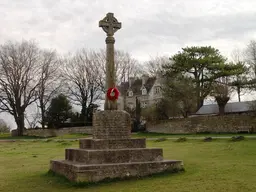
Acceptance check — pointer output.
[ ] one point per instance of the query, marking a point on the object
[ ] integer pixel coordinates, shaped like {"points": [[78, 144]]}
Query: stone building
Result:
{"points": [[146, 89]]}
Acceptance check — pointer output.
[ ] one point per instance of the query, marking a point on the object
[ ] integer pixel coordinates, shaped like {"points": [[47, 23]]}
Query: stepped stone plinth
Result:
{"points": [[111, 153]]}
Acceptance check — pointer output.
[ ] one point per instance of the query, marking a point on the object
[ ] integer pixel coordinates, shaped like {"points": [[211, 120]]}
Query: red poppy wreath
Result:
{"points": [[113, 94]]}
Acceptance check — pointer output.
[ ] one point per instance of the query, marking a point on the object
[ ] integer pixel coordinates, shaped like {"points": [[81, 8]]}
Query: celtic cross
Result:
{"points": [[110, 24]]}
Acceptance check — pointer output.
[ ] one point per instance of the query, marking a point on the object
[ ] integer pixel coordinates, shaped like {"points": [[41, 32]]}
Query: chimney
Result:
{"points": [[144, 79], [158, 74], [131, 81]]}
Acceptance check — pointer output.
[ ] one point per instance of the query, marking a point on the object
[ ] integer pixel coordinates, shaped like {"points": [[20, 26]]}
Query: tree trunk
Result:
{"points": [[185, 114], [239, 93], [222, 101], [42, 116], [200, 103], [20, 124], [199, 100], [222, 110], [43, 122], [84, 112]]}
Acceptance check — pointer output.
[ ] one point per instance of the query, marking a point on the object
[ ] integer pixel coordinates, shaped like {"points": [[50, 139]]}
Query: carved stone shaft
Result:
{"points": [[110, 72], [110, 25]]}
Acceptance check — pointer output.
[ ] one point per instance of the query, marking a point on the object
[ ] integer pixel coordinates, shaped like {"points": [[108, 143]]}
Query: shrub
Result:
{"points": [[237, 138], [181, 139], [207, 139], [4, 128], [160, 139]]}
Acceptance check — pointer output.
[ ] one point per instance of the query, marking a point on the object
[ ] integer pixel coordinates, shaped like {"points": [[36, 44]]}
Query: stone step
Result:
{"points": [[114, 155], [112, 143], [78, 172]]}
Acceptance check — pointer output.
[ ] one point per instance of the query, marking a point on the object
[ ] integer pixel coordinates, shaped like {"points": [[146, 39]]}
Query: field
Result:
{"points": [[220, 165]]}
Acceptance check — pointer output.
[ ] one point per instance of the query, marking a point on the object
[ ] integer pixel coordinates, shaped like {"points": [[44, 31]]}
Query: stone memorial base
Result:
{"points": [[112, 153]]}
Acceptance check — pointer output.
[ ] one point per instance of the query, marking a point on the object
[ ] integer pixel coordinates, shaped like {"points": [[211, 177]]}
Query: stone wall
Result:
{"points": [[206, 124], [54, 132]]}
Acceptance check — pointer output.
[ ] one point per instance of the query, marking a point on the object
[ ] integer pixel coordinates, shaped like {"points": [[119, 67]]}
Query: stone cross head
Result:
{"points": [[110, 24]]}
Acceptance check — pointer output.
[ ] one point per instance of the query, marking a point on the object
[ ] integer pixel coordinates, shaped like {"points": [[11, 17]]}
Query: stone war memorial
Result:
{"points": [[112, 153]]}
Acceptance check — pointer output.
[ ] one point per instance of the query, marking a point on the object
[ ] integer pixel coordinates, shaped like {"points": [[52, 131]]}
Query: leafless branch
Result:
{"points": [[154, 65], [81, 73], [50, 81]]}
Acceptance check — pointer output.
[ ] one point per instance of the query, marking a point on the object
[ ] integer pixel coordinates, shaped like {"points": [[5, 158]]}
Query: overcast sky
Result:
{"points": [[149, 27]]}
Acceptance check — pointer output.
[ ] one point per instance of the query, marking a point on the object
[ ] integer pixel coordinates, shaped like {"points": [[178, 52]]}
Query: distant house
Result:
{"points": [[146, 89], [230, 108]]}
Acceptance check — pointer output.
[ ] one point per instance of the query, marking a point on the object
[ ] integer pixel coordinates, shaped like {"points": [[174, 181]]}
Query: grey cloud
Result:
{"points": [[182, 29], [174, 30], [153, 26]]}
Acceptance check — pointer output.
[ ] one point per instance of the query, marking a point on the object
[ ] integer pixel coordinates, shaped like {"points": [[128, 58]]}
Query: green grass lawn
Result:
{"points": [[216, 166]]}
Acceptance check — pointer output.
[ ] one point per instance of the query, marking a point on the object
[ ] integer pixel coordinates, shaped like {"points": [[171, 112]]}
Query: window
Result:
{"points": [[130, 105], [157, 90], [144, 91], [130, 94], [143, 104]]}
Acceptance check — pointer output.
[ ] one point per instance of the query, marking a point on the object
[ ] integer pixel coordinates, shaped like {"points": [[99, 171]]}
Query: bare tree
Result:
{"points": [[81, 74], [240, 81], [19, 79], [250, 59], [221, 92], [126, 66], [250, 55], [50, 81], [154, 65]]}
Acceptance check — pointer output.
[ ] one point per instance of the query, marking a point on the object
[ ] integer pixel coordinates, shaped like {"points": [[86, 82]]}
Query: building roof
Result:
{"points": [[236, 107], [123, 87], [136, 86], [150, 82]]}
